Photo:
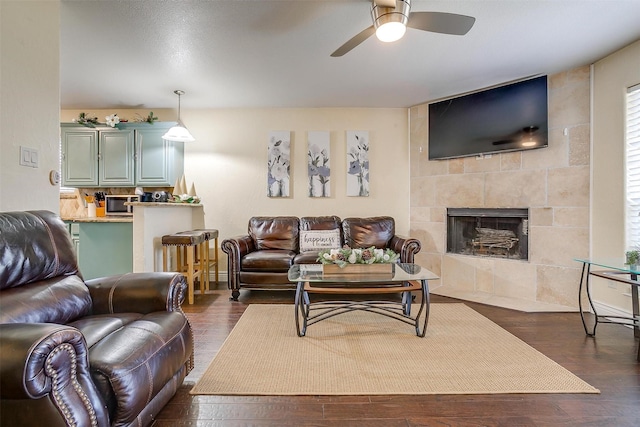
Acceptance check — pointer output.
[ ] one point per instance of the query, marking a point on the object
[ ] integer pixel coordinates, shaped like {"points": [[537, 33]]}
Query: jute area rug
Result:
{"points": [[362, 353]]}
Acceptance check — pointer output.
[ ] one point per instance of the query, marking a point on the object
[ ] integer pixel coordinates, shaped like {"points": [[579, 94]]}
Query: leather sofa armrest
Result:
{"points": [[138, 293], [238, 246], [235, 248], [407, 247], [51, 362]]}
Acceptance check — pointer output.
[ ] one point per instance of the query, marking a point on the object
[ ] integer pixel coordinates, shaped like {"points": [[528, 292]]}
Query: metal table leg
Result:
{"points": [[636, 310], [424, 306], [584, 282], [301, 309]]}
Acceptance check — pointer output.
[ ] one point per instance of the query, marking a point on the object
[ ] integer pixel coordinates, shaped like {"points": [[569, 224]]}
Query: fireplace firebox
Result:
{"points": [[498, 233]]}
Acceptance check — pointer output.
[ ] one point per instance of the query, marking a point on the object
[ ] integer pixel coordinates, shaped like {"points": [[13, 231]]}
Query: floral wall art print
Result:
{"points": [[358, 163], [318, 155], [278, 164]]}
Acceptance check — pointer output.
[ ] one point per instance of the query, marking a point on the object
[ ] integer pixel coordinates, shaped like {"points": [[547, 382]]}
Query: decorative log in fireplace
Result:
{"points": [[490, 241], [499, 233]]}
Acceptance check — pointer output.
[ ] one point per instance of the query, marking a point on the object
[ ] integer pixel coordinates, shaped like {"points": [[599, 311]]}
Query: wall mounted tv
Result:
{"points": [[505, 118]]}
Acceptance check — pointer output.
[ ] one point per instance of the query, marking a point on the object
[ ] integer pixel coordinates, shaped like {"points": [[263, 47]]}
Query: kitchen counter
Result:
{"points": [[99, 219], [164, 204]]}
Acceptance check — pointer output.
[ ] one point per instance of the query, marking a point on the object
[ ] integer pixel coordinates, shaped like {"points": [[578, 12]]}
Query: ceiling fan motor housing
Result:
{"points": [[381, 13]]}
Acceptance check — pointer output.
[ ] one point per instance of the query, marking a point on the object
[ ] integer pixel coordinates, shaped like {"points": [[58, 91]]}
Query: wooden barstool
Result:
{"points": [[210, 234], [189, 241]]}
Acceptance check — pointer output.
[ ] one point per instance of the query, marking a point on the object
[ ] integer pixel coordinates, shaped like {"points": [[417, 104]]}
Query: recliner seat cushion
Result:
{"points": [[133, 356]]}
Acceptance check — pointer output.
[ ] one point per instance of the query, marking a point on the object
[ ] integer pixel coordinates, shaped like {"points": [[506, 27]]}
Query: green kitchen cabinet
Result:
{"points": [[129, 155], [116, 158], [74, 230], [79, 157], [158, 162], [94, 157]]}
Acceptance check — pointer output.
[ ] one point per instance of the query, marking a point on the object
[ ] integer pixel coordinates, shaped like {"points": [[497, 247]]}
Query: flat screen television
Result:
{"points": [[505, 118]]}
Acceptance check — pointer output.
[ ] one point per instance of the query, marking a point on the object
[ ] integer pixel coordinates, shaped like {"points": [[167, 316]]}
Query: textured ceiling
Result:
{"points": [[275, 53]]}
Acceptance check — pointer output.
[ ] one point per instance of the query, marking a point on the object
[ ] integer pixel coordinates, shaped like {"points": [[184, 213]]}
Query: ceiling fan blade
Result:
{"points": [[440, 22], [354, 41]]}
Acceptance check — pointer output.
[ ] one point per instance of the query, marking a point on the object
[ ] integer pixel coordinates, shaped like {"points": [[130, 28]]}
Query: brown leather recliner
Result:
{"points": [[261, 258], [105, 352]]}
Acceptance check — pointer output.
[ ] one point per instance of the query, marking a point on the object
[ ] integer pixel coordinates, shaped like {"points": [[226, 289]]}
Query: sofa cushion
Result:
{"points": [[367, 232], [309, 257], [268, 260], [133, 356], [320, 223], [279, 232]]}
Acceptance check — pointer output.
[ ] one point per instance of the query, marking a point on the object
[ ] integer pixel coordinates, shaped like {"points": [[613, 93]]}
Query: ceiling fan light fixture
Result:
{"points": [[390, 22], [178, 133], [390, 32]]}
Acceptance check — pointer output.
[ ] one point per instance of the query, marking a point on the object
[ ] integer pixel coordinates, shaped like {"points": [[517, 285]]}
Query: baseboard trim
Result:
{"points": [[608, 310], [222, 276]]}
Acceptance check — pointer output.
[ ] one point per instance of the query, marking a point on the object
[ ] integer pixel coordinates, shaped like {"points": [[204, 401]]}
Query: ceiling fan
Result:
{"points": [[392, 17]]}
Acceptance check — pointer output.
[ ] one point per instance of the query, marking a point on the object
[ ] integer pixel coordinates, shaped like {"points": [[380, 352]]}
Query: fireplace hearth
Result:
{"points": [[497, 233]]}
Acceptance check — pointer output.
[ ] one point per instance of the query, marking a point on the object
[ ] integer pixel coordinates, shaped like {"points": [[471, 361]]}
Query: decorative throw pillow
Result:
{"points": [[315, 240]]}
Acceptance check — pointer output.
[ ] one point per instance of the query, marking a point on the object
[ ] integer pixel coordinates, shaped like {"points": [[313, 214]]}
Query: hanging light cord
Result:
{"points": [[179, 93]]}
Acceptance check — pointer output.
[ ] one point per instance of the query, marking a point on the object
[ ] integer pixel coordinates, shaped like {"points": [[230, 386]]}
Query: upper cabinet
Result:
{"points": [[158, 162], [131, 155], [115, 158], [79, 157]]}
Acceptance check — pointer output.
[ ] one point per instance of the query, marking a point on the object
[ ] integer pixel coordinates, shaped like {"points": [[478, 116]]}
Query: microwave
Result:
{"points": [[115, 204]]}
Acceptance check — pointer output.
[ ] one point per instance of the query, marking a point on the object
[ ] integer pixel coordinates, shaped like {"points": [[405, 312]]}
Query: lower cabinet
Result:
{"points": [[103, 248], [74, 229]]}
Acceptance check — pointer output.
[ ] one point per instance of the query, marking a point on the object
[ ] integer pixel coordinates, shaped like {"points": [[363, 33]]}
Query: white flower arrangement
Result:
{"points": [[112, 120], [346, 255]]}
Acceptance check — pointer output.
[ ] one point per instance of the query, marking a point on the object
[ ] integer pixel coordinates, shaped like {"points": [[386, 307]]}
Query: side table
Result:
{"points": [[616, 271]]}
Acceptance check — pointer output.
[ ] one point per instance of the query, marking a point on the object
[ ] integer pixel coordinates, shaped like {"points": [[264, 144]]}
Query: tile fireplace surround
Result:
{"points": [[553, 183]]}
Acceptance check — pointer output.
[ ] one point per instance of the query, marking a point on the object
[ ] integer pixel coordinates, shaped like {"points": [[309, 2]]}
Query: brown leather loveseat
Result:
{"points": [[261, 258], [105, 352]]}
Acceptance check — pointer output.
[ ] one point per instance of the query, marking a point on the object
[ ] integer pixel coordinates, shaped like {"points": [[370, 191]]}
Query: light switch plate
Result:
{"points": [[28, 157]]}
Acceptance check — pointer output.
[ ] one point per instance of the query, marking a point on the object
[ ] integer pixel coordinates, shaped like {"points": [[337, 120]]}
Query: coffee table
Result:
{"points": [[402, 279]]}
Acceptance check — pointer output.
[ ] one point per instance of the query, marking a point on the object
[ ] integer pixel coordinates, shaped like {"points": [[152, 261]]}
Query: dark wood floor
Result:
{"points": [[607, 362]]}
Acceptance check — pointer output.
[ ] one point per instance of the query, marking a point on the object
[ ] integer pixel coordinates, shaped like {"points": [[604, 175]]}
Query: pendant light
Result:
{"points": [[178, 133]]}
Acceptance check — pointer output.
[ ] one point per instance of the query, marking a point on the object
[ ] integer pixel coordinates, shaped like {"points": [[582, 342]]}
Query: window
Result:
{"points": [[633, 168]]}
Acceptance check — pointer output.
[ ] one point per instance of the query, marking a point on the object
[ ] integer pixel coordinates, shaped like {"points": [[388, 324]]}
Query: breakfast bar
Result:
{"points": [[151, 221]]}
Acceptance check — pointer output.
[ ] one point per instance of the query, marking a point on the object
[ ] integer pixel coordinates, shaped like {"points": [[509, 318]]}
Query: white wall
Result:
{"points": [[611, 78], [30, 102], [228, 164]]}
